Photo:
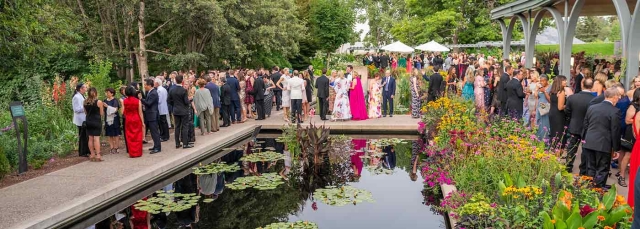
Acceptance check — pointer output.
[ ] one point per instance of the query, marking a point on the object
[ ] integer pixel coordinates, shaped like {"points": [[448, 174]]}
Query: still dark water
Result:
{"points": [[392, 179]]}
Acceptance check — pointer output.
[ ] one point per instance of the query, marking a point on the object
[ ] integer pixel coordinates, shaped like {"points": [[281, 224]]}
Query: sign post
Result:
{"points": [[17, 113]]}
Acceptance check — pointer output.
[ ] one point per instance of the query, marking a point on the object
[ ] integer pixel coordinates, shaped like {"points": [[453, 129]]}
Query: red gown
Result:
{"points": [[635, 162], [133, 126]]}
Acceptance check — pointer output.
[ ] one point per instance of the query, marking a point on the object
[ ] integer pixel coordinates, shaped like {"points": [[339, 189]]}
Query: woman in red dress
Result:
{"points": [[134, 129]]}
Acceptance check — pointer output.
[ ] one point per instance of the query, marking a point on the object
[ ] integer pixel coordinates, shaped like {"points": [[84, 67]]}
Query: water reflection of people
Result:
{"points": [[186, 185], [287, 163], [356, 161], [389, 157], [139, 219], [416, 148]]}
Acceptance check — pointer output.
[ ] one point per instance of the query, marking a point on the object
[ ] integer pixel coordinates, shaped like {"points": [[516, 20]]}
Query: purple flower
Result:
{"points": [[582, 141]]}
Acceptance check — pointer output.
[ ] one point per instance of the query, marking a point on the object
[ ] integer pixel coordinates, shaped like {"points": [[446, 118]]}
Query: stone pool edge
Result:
{"points": [[446, 189], [113, 191]]}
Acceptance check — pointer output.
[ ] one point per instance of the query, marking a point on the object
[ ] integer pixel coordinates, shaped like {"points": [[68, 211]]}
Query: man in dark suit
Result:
{"points": [[384, 61], [388, 92], [515, 96], [436, 84], [578, 80], [437, 61], [179, 100], [576, 109], [258, 95], [322, 84], [225, 98], [502, 89], [376, 60], [215, 95], [236, 110], [601, 136], [151, 114], [275, 77]]}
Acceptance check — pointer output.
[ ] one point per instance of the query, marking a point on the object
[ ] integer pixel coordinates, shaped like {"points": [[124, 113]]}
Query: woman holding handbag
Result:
{"points": [[542, 111]]}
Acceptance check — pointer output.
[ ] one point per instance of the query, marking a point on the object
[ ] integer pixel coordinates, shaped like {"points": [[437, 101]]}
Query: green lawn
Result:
{"points": [[590, 48]]}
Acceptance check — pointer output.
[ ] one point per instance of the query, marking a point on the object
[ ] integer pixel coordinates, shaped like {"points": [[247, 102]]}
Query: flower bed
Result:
{"points": [[505, 177]]}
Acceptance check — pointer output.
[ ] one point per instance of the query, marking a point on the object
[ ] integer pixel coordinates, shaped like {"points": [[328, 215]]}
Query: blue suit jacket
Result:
{"points": [[151, 106], [391, 86], [234, 85], [215, 93]]}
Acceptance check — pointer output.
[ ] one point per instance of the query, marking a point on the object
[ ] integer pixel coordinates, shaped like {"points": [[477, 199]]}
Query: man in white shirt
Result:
{"points": [[163, 109], [78, 119], [295, 85]]}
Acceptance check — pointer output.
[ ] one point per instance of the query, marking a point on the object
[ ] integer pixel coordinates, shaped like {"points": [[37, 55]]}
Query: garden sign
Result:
{"points": [[17, 113]]}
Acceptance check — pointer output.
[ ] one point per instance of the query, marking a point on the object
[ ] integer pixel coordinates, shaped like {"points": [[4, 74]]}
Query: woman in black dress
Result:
{"points": [[556, 111], [93, 107], [308, 90], [123, 96], [112, 120]]}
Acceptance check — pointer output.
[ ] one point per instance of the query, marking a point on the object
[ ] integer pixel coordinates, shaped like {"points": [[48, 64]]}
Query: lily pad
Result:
{"points": [[263, 156], [297, 225], [343, 195], [266, 181], [378, 170], [167, 202], [216, 167]]}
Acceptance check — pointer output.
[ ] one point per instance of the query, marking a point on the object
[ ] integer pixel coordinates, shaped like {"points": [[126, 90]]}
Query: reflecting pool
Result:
{"points": [[388, 169]]}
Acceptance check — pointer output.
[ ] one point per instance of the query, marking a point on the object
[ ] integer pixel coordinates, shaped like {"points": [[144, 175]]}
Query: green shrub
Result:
{"points": [[5, 167]]}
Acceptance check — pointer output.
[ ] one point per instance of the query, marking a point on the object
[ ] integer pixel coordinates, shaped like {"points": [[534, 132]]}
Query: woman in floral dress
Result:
{"points": [[479, 85], [341, 108], [268, 96], [416, 105], [375, 97]]}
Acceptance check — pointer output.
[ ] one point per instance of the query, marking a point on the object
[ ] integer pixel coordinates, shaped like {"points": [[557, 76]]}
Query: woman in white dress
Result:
{"points": [[341, 109], [286, 94]]}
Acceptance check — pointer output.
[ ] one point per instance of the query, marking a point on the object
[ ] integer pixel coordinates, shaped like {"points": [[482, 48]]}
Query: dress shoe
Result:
{"points": [[164, 140], [151, 149], [178, 146], [390, 115], [187, 146], [384, 116], [154, 151]]}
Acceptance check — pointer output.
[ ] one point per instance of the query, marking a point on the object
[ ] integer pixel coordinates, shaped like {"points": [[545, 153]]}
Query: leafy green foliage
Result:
{"points": [[296, 225], [265, 181], [5, 168], [166, 202], [332, 23], [341, 196], [215, 167]]}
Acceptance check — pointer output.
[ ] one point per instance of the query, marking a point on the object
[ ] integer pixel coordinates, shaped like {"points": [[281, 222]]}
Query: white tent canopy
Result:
{"points": [[397, 47], [433, 47]]}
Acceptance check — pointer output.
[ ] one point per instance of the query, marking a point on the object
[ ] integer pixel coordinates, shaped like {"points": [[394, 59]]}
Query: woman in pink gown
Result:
{"points": [[356, 99], [478, 90]]}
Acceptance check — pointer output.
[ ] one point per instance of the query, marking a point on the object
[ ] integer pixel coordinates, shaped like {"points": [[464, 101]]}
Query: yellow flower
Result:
{"points": [[600, 218], [608, 227], [580, 227], [620, 200], [553, 221]]}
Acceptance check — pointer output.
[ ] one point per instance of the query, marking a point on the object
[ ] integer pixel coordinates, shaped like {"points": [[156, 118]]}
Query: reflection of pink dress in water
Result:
{"points": [[356, 161]]}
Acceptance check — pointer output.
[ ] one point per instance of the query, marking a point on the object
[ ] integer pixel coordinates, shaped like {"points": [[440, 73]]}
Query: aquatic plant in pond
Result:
{"points": [[340, 196], [263, 156], [215, 167], [294, 225], [167, 202], [266, 181], [379, 170]]}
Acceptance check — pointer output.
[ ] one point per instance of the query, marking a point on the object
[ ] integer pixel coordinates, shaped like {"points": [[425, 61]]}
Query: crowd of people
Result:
{"points": [[185, 102]]}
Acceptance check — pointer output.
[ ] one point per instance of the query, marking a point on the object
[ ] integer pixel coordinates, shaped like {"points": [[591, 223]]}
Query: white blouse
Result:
{"points": [[78, 109]]}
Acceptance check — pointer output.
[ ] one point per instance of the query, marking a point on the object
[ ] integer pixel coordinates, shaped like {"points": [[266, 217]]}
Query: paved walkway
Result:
{"points": [[42, 201]]}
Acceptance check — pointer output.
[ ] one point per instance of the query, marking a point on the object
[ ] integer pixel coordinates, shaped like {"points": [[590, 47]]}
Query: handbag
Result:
{"points": [[628, 140], [544, 108]]}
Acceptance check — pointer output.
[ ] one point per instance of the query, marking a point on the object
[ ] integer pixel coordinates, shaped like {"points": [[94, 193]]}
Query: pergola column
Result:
{"points": [[570, 31], [557, 17], [633, 48], [506, 39], [624, 16]]}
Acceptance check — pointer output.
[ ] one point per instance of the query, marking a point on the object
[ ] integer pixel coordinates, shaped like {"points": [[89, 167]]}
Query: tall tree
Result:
{"points": [[380, 15], [332, 23], [593, 28]]}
